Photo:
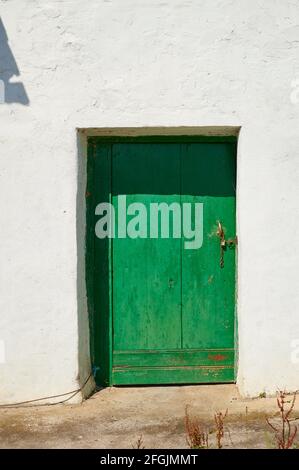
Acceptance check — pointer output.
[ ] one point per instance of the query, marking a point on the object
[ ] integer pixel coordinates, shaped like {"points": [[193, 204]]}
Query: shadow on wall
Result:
{"points": [[9, 92]]}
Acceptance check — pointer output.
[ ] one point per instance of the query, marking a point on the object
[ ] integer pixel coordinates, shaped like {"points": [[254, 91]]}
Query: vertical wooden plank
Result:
{"points": [[89, 239], [102, 271], [146, 271], [208, 292]]}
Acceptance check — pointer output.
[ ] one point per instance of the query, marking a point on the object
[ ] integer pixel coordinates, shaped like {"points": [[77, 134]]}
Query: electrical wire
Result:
{"points": [[27, 403]]}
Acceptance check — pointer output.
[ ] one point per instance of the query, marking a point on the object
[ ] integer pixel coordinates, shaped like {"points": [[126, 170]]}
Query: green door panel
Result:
{"points": [[98, 280], [174, 357], [161, 313], [146, 271], [208, 292], [172, 375]]}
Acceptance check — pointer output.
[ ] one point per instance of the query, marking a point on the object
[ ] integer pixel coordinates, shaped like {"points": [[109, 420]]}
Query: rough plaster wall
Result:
{"points": [[144, 63]]}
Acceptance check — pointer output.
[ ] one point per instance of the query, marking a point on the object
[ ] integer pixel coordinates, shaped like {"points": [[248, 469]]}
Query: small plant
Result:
{"points": [[286, 433], [139, 443], [262, 395], [197, 438], [219, 418]]}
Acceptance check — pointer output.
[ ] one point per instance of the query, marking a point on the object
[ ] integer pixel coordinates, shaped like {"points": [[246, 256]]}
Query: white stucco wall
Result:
{"points": [[144, 63]]}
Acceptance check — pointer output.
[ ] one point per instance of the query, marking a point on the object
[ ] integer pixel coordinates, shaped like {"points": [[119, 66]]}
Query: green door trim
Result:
{"points": [[100, 339], [157, 139], [101, 348]]}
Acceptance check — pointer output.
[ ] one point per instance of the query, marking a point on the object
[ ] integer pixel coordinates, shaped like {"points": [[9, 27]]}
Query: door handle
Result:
{"points": [[230, 242]]}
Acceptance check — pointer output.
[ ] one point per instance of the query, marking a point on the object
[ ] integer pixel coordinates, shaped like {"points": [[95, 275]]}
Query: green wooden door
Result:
{"points": [[162, 313]]}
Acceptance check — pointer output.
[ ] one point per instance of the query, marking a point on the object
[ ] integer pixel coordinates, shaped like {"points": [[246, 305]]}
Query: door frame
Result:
{"points": [[101, 347]]}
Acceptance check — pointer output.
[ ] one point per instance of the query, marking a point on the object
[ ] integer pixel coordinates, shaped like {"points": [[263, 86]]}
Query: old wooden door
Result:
{"points": [[162, 313]]}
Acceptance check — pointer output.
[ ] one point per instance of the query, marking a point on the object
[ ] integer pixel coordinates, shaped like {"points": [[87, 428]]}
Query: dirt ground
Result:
{"points": [[117, 417]]}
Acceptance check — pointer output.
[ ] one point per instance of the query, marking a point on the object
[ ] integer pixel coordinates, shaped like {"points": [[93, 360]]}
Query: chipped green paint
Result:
{"points": [[160, 313]]}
